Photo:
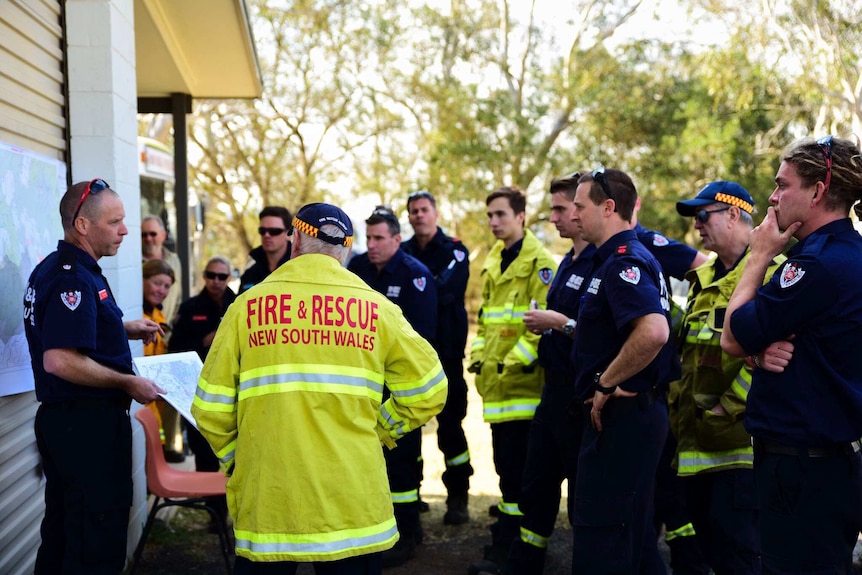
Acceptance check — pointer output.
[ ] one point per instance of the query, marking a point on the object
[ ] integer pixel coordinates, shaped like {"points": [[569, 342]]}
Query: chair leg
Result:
{"points": [[223, 537], [139, 550]]}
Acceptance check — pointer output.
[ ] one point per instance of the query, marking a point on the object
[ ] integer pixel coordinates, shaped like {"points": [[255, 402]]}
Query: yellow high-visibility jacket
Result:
{"points": [[510, 378], [290, 400], [706, 441]]}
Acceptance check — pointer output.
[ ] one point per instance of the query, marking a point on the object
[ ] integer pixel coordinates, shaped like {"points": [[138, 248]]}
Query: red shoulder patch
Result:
{"points": [[623, 249]]}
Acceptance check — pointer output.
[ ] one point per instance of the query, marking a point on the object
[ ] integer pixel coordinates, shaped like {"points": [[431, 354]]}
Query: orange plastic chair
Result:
{"points": [[176, 487]]}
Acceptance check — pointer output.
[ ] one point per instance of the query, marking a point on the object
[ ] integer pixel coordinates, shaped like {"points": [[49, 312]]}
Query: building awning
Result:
{"points": [[203, 48]]}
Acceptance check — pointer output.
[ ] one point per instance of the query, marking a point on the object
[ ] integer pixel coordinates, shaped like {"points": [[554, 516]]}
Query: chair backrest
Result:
{"points": [[155, 459]]}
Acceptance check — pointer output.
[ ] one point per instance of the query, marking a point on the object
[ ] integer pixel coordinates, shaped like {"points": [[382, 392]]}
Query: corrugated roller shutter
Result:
{"points": [[31, 76], [21, 491], [32, 116]]}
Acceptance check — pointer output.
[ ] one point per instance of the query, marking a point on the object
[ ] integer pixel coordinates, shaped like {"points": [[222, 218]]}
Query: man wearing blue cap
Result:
{"points": [[714, 457], [291, 400]]}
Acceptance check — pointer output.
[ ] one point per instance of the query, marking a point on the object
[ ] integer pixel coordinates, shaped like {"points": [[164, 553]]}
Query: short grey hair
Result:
{"points": [[310, 245], [153, 218]]}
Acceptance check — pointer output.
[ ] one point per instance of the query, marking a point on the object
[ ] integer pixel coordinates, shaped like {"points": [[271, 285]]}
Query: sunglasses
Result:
{"points": [[215, 276], [149, 234], [600, 176], [271, 231], [94, 187], [825, 144], [419, 194], [703, 215], [386, 214]]}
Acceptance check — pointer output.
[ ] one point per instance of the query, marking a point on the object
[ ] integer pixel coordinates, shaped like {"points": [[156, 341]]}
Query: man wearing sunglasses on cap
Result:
{"points": [[408, 283], [82, 367], [275, 229], [806, 420], [714, 457]]}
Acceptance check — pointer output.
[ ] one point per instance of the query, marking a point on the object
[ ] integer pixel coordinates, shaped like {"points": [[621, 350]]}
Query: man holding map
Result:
{"points": [[82, 366]]}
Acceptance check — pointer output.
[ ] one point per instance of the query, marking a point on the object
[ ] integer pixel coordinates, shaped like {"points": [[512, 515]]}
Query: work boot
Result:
{"points": [[403, 551], [493, 563], [457, 512]]}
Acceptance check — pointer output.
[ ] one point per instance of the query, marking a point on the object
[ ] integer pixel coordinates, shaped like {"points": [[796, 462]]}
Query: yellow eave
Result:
{"points": [[204, 48]]}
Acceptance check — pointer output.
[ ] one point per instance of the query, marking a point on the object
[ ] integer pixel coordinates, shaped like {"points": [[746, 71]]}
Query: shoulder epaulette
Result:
{"points": [[67, 261]]}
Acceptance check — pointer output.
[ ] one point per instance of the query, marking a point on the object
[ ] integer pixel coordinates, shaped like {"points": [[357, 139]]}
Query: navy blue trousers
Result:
{"points": [[86, 450], [552, 455], [450, 432], [810, 512], [363, 565], [723, 506], [613, 527]]}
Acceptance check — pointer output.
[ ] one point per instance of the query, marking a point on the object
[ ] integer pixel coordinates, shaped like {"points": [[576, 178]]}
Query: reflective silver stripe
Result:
{"points": [[214, 397], [402, 393], [304, 377], [528, 353], [459, 459], [317, 546], [228, 457], [398, 426]]}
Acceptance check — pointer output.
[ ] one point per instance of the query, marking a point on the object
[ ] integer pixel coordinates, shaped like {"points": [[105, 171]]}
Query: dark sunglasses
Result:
{"points": [[149, 234], [419, 194], [386, 214], [271, 231], [94, 187], [600, 176], [825, 144], [215, 276], [703, 216]]}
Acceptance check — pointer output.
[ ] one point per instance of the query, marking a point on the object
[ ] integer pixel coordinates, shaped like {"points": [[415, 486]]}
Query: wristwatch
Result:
{"points": [[599, 387], [569, 328]]}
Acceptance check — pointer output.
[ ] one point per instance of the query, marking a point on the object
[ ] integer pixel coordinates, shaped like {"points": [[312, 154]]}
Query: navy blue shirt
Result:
{"points": [[446, 259], [68, 304], [675, 257], [198, 316], [564, 296], [816, 295], [406, 282], [627, 284]]}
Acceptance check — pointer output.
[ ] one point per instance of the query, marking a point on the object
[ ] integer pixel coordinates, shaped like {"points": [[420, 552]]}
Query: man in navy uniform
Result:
{"points": [[623, 361], [446, 258], [82, 366], [275, 229], [806, 421], [409, 284]]}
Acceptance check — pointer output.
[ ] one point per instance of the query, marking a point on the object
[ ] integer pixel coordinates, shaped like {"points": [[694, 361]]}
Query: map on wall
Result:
{"points": [[31, 186]]}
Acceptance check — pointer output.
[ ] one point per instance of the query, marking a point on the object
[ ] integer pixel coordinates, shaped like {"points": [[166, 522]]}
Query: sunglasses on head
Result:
{"points": [[215, 276], [825, 144], [385, 213], [94, 187], [602, 178], [271, 231], [703, 215], [419, 194]]}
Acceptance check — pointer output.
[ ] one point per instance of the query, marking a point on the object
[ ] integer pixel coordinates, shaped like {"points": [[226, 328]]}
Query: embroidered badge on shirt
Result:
{"points": [[546, 275], [791, 274], [420, 283], [393, 291], [71, 299], [631, 274], [659, 240], [459, 255], [103, 294], [575, 281]]}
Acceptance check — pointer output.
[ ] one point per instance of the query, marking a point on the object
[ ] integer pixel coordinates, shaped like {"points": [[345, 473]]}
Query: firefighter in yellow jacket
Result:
{"points": [[504, 354], [714, 454], [290, 400]]}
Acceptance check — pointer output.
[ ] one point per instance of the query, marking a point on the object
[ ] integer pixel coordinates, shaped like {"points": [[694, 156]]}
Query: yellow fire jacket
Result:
{"points": [[510, 378], [706, 441], [290, 400]]}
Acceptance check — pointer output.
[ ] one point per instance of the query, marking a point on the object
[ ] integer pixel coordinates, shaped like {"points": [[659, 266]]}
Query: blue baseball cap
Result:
{"points": [[721, 191], [311, 217]]}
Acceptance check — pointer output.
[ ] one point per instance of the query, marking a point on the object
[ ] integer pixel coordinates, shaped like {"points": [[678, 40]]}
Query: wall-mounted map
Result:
{"points": [[31, 186]]}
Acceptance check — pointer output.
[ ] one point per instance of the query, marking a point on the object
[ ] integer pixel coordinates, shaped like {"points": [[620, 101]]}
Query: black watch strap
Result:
{"points": [[599, 387]]}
